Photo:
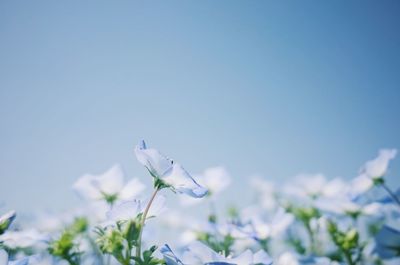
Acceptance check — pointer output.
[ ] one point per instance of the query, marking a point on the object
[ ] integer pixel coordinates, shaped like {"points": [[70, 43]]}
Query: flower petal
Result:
{"points": [[132, 189], [152, 159], [182, 182], [124, 211]]}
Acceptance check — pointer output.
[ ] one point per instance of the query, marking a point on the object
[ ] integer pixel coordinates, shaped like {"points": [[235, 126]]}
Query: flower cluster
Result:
{"points": [[308, 220]]}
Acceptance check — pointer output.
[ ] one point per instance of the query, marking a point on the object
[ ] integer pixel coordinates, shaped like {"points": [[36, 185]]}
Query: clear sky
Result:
{"points": [[273, 88]]}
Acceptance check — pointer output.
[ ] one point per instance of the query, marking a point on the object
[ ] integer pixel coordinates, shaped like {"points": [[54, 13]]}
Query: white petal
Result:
{"points": [[132, 189], [378, 166], [287, 258], [246, 258], [182, 182], [124, 211], [85, 189], [261, 257], [152, 159], [360, 185], [110, 182], [334, 187], [372, 209], [216, 179], [203, 253]]}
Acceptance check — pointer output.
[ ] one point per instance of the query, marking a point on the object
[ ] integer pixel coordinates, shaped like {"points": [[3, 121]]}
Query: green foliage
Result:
{"points": [[65, 248], [80, 225], [119, 240], [4, 226], [296, 244], [148, 259], [233, 212], [347, 243], [110, 198], [219, 244], [6, 222], [305, 215], [160, 184]]}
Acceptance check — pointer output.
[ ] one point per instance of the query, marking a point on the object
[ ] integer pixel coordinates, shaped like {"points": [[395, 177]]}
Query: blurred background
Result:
{"points": [[268, 88]]}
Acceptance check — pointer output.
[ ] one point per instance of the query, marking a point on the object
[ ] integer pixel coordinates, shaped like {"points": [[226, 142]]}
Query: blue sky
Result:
{"points": [[273, 88]]}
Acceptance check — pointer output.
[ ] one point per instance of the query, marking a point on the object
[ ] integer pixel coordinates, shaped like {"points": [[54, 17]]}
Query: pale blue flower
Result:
{"points": [[169, 173], [215, 179], [108, 186], [129, 210], [169, 256], [24, 239], [376, 168], [199, 254]]}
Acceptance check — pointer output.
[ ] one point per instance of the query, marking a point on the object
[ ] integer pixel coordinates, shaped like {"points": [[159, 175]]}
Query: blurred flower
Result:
{"points": [[108, 186], [167, 173], [29, 260], [6, 220], [129, 210], [345, 206], [199, 254], [377, 167], [287, 258], [314, 186], [24, 239], [372, 172], [265, 191], [277, 225], [214, 179], [359, 185]]}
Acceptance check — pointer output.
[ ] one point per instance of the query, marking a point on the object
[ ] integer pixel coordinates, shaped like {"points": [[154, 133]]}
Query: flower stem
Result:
{"points": [[143, 220], [391, 193], [347, 256], [312, 238]]}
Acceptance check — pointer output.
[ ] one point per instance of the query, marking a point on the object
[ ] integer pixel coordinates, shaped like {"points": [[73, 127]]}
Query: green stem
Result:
{"points": [[95, 249], [311, 235], [391, 193], [348, 258], [71, 262], [143, 220]]}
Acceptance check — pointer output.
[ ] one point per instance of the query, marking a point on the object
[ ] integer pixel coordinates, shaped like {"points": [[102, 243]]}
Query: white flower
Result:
{"points": [[311, 186], [287, 258], [23, 239], [199, 254], [377, 167], [343, 205], [215, 179], [359, 185], [371, 171], [266, 192], [169, 173], [129, 210], [108, 186]]}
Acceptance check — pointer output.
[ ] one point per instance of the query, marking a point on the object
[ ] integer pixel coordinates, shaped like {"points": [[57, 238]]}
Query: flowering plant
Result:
{"points": [[310, 220]]}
